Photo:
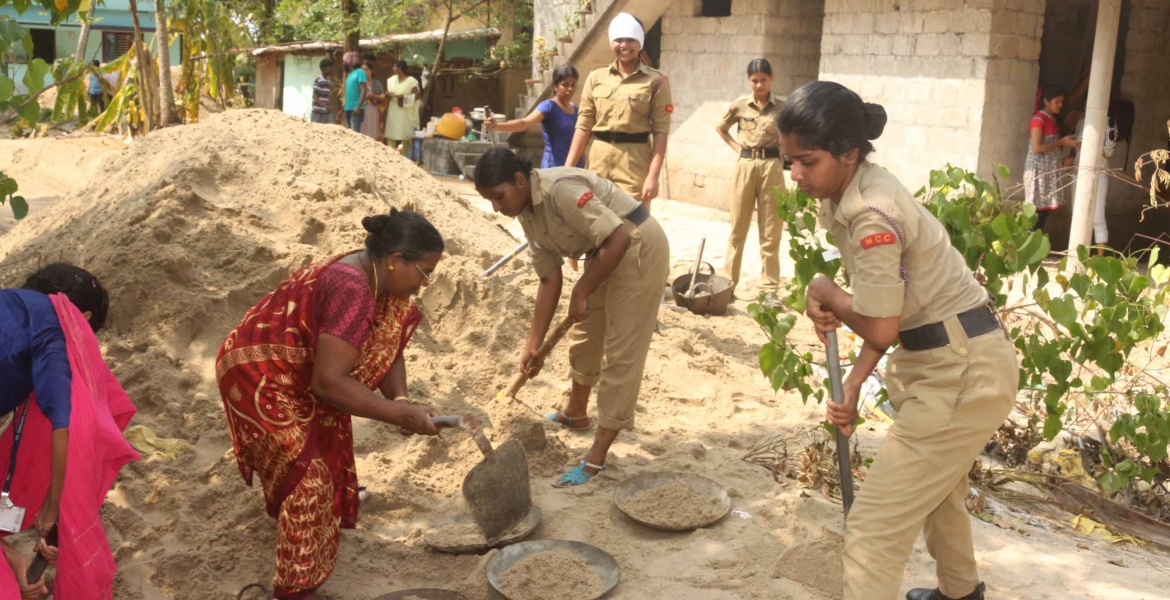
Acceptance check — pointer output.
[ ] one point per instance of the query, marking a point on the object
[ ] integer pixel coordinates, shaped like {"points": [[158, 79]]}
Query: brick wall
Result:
{"points": [[706, 59]]}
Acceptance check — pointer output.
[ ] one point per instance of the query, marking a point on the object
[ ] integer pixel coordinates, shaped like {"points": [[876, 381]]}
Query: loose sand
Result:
{"points": [[192, 225], [559, 574], [676, 505]]}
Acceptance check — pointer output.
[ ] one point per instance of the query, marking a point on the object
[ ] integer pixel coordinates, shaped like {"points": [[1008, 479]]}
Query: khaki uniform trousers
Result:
{"points": [[624, 164], [950, 401], [753, 191], [620, 325]]}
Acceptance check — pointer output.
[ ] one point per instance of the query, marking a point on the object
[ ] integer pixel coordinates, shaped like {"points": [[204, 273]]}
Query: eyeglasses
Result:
{"points": [[426, 278]]}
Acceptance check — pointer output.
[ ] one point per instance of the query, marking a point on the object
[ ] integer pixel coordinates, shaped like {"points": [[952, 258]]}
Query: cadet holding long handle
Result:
{"points": [[953, 379]]}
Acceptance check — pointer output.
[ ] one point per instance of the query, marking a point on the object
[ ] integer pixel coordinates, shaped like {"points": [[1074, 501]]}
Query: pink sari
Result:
{"points": [[100, 411]]}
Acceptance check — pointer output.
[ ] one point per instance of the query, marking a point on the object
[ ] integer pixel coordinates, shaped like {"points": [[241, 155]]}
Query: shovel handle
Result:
{"points": [[833, 358], [550, 342], [698, 265], [38, 565], [445, 422]]}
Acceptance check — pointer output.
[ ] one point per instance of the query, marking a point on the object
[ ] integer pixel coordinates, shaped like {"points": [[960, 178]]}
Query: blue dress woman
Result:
{"points": [[557, 116]]}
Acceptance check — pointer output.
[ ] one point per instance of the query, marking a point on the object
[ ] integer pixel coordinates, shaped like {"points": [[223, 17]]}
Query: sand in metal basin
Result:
{"points": [[557, 574], [676, 504]]}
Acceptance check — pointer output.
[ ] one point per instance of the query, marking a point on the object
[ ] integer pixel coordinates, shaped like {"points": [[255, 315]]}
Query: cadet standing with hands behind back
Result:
{"points": [[621, 106], [954, 377], [758, 172]]}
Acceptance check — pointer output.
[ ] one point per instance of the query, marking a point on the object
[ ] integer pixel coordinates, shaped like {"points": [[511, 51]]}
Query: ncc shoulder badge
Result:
{"points": [[878, 239], [586, 197]]}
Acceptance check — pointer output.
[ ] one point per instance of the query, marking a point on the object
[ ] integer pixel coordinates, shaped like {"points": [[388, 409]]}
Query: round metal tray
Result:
{"points": [[522, 530], [425, 594], [647, 481], [599, 559]]}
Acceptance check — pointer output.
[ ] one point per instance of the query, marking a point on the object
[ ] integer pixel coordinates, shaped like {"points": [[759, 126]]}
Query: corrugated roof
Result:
{"points": [[402, 39]]}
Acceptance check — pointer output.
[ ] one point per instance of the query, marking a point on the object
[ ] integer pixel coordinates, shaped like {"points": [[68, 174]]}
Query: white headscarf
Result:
{"points": [[624, 25]]}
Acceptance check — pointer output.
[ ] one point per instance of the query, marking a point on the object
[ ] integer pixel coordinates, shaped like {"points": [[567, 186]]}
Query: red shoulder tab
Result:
{"points": [[586, 197]]}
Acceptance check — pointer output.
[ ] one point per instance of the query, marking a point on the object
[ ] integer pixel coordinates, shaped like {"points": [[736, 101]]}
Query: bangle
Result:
{"points": [[403, 399]]}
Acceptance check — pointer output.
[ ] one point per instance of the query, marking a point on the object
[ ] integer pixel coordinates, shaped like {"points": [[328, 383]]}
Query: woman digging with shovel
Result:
{"points": [[953, 379], [571, 213], [303, 361]]}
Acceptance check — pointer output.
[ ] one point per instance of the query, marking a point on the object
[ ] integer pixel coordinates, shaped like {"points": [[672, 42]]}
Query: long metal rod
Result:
{"points": [[838, 396], [504, 261]]}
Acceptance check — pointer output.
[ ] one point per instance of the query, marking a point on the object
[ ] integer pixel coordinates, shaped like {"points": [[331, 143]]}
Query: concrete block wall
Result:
{"points": [[1011, 76], [932, 65], [706, 59], [547, 16]]}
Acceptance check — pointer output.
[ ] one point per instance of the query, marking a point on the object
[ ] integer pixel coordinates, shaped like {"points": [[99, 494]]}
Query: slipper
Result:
{"points": [[555, 417], [578, 476]]}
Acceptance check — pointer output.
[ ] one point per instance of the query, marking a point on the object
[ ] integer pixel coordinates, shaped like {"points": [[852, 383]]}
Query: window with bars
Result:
{"points": [[115, 44]]}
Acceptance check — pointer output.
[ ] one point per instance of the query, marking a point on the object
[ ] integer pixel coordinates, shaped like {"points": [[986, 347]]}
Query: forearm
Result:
{"points": [[867, 361], [59, 458], [602, 266], [727, 139], [548, 296], [352, 397], [394, 384], [512, 126], [577, 148], [659, 156], [840, 303]]}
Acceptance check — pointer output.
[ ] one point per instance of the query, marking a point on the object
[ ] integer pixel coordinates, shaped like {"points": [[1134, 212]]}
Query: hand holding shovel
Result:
{"points": [[838, 396]]}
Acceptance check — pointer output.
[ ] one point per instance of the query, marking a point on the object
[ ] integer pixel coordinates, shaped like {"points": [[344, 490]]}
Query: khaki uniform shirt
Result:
{"points": [[898, 256], [573, 212], [758, 126], [640, 103]]}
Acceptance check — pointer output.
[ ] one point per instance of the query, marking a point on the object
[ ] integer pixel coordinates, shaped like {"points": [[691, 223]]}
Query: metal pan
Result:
{"points": [[434, 541], [647, 481], [425, 594], [599, 559]]}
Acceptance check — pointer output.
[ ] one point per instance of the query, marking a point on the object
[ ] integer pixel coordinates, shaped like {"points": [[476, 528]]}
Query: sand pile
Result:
{"points": [[676, 505], [557, 574]]}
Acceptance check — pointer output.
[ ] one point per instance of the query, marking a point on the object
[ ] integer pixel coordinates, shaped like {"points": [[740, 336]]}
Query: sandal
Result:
{"points": [[578, 476], [556, 417]]}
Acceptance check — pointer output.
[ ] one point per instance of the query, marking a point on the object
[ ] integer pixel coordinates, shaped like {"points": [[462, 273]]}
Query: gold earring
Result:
{"points": [[391, 267]]}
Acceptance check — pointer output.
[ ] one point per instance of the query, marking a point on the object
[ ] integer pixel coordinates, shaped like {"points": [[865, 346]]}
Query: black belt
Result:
{"points": [[759, 153], [636, 216], [617, 137], [975, 322]]}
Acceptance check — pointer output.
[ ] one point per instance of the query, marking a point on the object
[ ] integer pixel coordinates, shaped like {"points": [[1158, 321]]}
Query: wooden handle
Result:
{"points": [[698, 264], [550, 342], [38, 565], [445, 422]]}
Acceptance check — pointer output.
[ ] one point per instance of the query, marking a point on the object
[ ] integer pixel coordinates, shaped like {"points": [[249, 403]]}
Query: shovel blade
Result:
{"points": [[497, 490]]}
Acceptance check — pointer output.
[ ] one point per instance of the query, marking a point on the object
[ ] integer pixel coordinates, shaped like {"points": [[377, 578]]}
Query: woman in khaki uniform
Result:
{"points": [[568, 212], [758, 174], [953, 378], [621, 106]]}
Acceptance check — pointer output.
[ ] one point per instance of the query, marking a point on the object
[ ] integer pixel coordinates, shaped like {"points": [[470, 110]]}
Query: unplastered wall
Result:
{"points": [[706, 59], [926, 62]]}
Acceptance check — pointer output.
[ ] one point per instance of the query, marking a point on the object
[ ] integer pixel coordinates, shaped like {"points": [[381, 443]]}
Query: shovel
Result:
{"points": [[698, 264], [838, 396], [496, 490], [550, 342]]}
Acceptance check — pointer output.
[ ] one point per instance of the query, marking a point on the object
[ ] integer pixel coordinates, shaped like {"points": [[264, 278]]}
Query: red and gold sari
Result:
{"points": [[301, 447]]}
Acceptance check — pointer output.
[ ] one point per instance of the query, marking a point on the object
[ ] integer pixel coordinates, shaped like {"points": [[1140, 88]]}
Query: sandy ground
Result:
{"points": [[192, 226], [49, 169]]}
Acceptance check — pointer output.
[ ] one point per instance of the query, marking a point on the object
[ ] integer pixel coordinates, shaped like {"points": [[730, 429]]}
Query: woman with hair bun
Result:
{"points": [[953, 378], [304, 360], [572, 213]]}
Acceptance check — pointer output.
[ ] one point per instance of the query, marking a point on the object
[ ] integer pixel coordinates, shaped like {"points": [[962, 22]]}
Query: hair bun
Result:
{"points": [[376, 223], [875, 122]]}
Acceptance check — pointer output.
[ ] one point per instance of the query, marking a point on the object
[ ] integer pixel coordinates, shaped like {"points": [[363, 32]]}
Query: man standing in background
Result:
{"points": [[321, 92]]}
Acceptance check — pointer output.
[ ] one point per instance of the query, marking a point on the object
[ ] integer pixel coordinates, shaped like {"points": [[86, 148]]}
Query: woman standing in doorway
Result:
{"points": [[402, 90], [557, 117], [622, 105], [758, 173], [1044, 152]]}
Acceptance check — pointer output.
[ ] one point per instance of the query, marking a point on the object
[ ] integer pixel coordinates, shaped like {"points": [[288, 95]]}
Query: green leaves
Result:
{"points": [[1063, 310]]}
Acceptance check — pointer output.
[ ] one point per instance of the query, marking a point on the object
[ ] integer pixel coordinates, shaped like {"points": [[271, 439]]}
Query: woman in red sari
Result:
{"points": [[303, 361]]}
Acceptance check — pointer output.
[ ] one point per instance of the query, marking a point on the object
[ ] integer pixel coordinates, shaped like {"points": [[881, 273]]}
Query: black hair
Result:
{"points": [[500, 165], [564, 72], [401, 64], [370, 56], [368, 63], [824, 115], [326, 64], [80, 286], [759, 65], [402, 232], [1052, 92]]}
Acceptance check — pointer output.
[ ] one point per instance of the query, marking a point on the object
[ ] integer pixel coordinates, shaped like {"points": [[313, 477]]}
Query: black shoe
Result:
{"points": [[925, 594]]}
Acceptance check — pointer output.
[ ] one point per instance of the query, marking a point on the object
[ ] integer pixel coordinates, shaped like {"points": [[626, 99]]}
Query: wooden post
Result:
{"points": [[1096, 122]]}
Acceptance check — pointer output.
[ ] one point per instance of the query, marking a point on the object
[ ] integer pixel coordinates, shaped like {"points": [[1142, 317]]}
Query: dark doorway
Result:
{"points": [[653, 46], [715, 8], [44, 44]]}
